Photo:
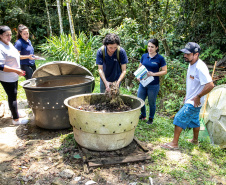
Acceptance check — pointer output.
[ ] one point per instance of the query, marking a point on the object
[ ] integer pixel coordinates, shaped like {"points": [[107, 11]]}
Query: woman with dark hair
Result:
{"points": [[153, 62], [26, 50], [10, 71]]}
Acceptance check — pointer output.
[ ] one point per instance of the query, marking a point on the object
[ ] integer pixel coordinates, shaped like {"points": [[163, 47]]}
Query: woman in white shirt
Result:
{"points": [[10, 72]]}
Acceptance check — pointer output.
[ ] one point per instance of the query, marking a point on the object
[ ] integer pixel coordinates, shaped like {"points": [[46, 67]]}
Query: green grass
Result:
{"points": [[192, 164]]}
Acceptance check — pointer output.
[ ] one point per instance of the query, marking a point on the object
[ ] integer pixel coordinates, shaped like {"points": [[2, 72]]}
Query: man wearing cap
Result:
{"points": [[198, 84]]}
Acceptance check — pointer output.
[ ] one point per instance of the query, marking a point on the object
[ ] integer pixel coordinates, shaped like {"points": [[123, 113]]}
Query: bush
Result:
{"points": [[172, 87], [62, 49]]}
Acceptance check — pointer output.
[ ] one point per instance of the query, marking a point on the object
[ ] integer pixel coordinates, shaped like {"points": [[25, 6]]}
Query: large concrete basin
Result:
{"points": [[103, 131]]}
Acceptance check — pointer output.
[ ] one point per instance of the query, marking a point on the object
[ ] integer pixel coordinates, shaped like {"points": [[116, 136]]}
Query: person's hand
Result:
{"points": [[138, 79], [21, 72], [149, 73], [197, 102], [31, 57], [107, 86], [184, 100], [117, 84]]}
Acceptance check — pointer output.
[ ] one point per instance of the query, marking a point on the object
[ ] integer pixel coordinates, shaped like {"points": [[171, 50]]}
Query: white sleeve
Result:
{"points": [[2, 58], [204, 75]]}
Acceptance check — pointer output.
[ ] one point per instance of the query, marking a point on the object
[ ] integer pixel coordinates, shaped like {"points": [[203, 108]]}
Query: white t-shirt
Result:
{"points": [[9, 56], [197, 76]]}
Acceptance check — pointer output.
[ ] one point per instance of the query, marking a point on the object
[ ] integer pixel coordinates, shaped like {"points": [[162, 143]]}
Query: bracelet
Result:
{"points": [[199, 96]]}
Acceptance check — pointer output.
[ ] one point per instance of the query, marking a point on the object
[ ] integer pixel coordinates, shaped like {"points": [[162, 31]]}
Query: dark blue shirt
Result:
{"points": [[25, 48], [153, 65], [111, 67]]}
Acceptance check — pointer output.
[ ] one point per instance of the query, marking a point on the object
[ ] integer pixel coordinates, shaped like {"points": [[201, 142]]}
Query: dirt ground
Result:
{"points": [[31, 155]]}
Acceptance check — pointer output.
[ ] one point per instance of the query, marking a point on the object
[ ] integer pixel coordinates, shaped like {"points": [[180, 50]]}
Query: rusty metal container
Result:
{"points": [[103, 131], [50, 85]]}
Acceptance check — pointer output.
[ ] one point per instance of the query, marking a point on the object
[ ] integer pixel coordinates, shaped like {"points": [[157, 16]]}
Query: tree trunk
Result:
{"points": [[103, 13], [60, 18], [166, 47], [133, 14], [71, 24], [48, 16]]}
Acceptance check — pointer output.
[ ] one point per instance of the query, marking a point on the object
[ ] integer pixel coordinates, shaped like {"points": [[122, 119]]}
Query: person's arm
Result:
{"points": [[162, 72], [101, 73], [10, 69], [123, 66], [207, 88], [31, 57]]}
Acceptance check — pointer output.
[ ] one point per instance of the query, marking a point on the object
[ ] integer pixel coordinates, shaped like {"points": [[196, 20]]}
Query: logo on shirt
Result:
{"points": [[192, 77], [115, 60]]}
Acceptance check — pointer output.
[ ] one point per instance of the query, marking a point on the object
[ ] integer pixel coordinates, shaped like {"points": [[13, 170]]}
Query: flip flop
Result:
{"points": [[169, 147]]}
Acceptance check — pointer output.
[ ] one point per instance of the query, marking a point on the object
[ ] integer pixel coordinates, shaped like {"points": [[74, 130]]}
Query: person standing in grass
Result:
{"points": [[10, 71], [153, 62], [198, 84], [111, 60], [26, 50]]}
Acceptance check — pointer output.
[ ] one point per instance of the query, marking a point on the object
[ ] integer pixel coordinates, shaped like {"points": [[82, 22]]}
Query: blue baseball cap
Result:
{"points": [[191, 47]]}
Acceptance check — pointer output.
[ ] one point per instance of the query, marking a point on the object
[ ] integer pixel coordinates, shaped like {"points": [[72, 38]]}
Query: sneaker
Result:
{"points": [[20, 122], [141, 117], [150, 121]]}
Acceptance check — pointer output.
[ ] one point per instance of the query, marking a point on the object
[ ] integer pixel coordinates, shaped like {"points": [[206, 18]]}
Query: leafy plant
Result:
{"points": [[211, 54], [87, 48], [60, 48], [222, 81]]}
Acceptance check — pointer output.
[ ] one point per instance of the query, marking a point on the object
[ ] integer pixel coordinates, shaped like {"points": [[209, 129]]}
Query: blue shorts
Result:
{"points": [[187, 117]]}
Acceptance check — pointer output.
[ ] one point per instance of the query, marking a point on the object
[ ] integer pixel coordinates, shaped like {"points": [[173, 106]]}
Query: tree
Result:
{"points": [[48, 16], [71, 24], [60, 18]]}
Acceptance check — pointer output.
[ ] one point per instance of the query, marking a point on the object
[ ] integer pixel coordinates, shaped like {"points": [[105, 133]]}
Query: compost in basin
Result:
{"points": [[46, 93], [103, 131]]}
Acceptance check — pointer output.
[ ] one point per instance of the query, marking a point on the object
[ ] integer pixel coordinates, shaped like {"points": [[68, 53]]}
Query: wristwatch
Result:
{"points": [[199, 96]]}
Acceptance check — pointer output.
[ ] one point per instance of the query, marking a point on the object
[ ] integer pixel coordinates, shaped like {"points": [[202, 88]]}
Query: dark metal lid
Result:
{"points": [[56, 68]]}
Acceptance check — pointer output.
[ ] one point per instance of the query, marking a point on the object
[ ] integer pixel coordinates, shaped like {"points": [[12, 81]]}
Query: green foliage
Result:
{"points": [[211, 54], [172, 87], [158, 155], [62, 49], [87, 48], [176, 21], [222, 81]]}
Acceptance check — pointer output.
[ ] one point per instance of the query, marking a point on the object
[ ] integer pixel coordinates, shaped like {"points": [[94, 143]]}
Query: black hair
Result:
{"points": [[155, 42], [3, 29], [111, 38], [20, 28]]}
